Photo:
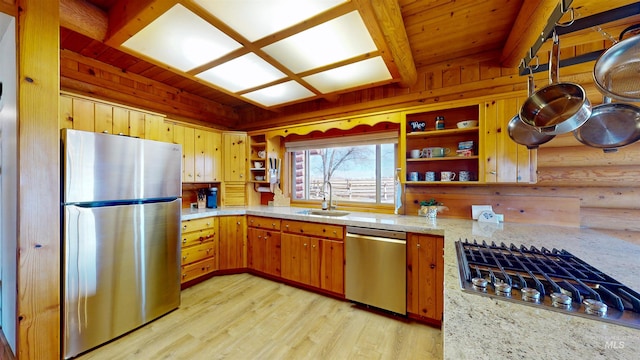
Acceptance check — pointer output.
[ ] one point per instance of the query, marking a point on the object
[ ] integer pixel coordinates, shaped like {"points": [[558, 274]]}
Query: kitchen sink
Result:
{"points": [[324, 212]]}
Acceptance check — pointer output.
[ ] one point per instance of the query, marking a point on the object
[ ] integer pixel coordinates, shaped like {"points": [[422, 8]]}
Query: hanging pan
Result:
{"points": [[524, 134], [611, 125], [616, 71], [557, 108]]}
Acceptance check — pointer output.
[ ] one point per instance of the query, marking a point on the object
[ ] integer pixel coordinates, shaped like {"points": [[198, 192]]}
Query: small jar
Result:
{"points": [[439, 122]]}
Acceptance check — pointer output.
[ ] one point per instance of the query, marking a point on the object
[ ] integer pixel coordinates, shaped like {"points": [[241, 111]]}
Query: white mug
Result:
{"points": [[464, 176], [413, 176], [430, 176], [447, 176], [262, 154], [415, 153]]}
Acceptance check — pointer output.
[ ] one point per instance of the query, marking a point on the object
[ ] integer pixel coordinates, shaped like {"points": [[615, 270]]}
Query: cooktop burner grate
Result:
{"points": [[554, 279]]}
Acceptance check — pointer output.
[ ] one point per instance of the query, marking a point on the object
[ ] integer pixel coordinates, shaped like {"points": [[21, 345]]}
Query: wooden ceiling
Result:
{"points": [[500, 31]]}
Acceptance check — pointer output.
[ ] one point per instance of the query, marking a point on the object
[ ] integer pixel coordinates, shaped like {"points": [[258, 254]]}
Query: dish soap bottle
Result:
{"points": [[324, 203]]}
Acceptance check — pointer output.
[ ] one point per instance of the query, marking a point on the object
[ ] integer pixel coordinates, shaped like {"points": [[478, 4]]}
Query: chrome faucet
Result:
{"points": [[324, 185]]}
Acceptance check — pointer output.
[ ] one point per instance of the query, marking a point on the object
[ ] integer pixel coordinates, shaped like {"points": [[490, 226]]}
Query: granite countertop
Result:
{"points": [[480, 327]]}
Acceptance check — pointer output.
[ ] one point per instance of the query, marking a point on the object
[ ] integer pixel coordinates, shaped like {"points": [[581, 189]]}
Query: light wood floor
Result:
{"points": [[247, 317]]}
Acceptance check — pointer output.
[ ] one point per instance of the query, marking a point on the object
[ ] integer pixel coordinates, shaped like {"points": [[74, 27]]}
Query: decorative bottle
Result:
{"points": [[439, 122]]}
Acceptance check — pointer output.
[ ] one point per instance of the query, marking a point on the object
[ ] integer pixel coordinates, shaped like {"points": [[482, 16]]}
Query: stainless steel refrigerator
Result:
{"points": [[121, 235]]}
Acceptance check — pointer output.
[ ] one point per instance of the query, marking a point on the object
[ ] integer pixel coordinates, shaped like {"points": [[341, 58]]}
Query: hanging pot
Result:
{"points": [[559, 107], [616, 71], [611, 125], [524, 134]]}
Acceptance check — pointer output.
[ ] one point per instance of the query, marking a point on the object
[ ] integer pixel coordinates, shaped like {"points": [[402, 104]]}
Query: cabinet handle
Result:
{"points": [[305, 245], [418, 245], [493, 172], [259, 237], [238, 222], [184, 241], [240, 175], [184, 227], [208, 224], [335, 232], [313, 246], [287, 226], [433, 266], [273, 225], [184, 258], [198, 175], [184, 276]]}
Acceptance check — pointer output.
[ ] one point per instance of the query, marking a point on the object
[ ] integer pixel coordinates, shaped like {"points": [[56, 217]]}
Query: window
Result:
{"points": [[362, 171]]}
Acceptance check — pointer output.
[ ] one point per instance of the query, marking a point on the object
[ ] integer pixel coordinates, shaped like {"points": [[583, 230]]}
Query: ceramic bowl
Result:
{"points": [[467, 124], [260, 178]]}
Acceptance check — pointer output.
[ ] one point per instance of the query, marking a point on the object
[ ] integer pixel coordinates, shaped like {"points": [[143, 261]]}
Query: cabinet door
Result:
{"points": [[200, 155], [505, 161], [273, 253], [291, 247], [235, 156], [136, 123], [214, 148], [83, 115], [153, 127], [103, 118], [425, 275], [120, 121], [184, 136], [232, 242], [332, 266], [256, 249]]}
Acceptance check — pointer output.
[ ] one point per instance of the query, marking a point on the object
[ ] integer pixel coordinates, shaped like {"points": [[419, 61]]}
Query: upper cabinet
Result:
{"points": [[436, 146], [201, 154], [478, 154], [235, 156]]}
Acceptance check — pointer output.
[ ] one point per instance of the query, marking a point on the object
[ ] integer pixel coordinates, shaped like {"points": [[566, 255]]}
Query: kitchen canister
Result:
{"points": [[413, 176], [464, 176]]}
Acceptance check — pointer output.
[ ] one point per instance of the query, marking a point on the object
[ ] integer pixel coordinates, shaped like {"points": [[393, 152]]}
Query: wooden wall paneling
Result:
{"points": [[38, 256], [614, 176], [584, 156], [83, 115], [563, 211], [611, 219]]}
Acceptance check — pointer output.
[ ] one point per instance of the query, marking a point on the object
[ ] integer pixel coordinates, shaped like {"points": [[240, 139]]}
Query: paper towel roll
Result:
{"points": [[264, 189]]}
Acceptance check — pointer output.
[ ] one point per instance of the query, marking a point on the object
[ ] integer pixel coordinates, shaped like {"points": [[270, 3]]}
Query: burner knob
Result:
{"points": [[595, 307], [530, 294], [560, 300], [479, 283], [503, 289]]}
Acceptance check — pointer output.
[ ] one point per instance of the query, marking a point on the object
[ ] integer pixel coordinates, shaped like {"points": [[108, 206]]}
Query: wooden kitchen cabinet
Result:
{"points": [[207, 158], [232, 242], [424, 137], [425, 277], [263, 245], [313, 254], [199, 248], [505, 161], [235, 156]]}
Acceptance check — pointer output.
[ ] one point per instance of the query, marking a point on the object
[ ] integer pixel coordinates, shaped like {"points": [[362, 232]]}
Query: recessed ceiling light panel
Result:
{"points": [[279, 94], [242, 73], [342, 38], [255, 19], [349, 76], [182, 40]]}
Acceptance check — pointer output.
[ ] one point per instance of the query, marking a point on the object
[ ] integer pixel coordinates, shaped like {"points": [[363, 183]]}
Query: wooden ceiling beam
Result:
{"points": [[530, 22], [390, 19], [128, 17], [84, 18]]}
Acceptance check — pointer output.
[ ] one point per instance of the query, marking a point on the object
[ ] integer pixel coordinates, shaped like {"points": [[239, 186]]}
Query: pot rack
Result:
{"points": [[573, 25]]}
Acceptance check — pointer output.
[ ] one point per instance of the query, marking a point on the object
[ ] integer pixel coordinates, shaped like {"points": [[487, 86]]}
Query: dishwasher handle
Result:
{"points": [[375, 238], [379, 233]]}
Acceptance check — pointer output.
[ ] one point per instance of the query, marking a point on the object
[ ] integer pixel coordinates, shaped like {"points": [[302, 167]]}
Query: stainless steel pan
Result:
{"points": [[559, 107], [616, 71], [524, 134], [611, 125]]}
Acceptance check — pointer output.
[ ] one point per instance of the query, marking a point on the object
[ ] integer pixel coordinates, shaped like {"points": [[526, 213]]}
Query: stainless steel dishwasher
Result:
{"points": [[375, 269]]}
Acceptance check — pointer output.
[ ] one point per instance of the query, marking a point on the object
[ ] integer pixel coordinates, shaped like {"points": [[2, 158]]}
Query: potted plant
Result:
{"points": [[431, 208]]}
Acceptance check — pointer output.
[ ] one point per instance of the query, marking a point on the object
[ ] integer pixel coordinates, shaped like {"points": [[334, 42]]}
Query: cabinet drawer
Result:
{"points": [[263, 222], [198, 237], [198, 252], [198, 224], [195, 270], [313, 229]]}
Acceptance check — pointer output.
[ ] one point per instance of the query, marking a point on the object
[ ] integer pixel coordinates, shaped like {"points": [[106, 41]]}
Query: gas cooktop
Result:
{"points": [[551, 279]]}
